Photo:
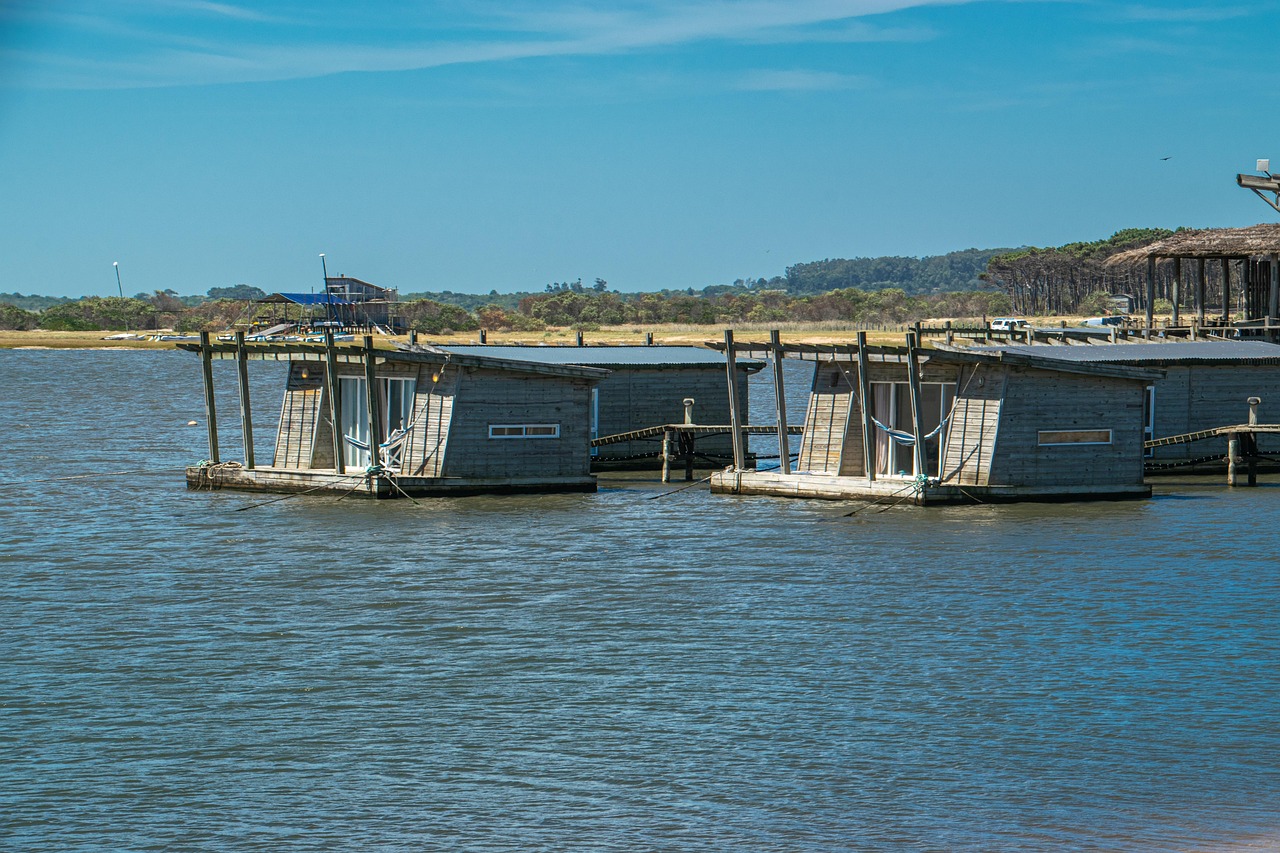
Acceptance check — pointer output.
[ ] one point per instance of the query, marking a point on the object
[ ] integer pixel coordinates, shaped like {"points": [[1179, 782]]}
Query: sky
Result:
{"points": [[480, 145]]}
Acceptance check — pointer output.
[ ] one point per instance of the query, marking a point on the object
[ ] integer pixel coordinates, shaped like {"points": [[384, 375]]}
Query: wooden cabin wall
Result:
{"points": [[826, 419], [432, 415], [1203, 396], [486, 397], [299, 415], [974, 427], [635, 398], [1037, 400]]}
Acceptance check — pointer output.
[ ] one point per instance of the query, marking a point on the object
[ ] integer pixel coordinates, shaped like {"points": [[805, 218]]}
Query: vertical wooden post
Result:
{"points": [[735, 424], [1176, 295], [246, 416], [1275, 290], [413, 337], [371, 386], [210, 407], [1201, 287], [648, 339], [484, 336], [864, 391], [666, 454], [780, 403], [951, 336], [577, 337], [1151, 296], [913, 380], [334, 388], [687, 440], [1226, 290], [1233, 452]]}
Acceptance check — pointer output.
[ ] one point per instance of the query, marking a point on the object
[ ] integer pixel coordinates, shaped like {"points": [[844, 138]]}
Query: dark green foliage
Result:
{"points": [[1067, 279], [13, 318], [936, 274], [32, 302], [99, 313], [243, 292], [425, 315]]}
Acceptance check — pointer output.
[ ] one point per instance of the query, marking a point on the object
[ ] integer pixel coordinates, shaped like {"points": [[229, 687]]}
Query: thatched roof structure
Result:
{"points": [[1207, 243]]}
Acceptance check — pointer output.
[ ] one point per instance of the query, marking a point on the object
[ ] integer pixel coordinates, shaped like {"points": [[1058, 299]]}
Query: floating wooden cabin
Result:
{"points": [[441, 423], [929, 426], [646, 385], [1204, 384]]}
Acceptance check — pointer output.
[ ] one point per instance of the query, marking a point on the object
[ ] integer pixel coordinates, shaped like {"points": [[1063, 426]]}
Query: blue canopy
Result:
{"points": [[307, 299]]}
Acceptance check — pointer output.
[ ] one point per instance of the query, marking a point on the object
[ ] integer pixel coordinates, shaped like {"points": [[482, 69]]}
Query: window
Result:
{"points": [[891, 406], [1073, 436], [524, 430], [397, 395]]}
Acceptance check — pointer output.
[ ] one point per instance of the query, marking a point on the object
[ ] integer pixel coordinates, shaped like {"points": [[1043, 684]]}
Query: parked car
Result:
{"points": [[1008, 324], [1116, 320]]}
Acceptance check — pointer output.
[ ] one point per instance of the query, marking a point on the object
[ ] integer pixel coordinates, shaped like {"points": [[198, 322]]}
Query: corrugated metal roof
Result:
{"points": [[1152, 353], [604, 356]]}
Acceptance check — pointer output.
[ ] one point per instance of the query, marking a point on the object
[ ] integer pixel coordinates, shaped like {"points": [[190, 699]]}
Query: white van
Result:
{"points": [[1008, 324]]}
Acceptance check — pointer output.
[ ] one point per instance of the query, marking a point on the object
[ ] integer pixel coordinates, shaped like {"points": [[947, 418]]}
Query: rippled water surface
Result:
{"points": [[613, 671]]}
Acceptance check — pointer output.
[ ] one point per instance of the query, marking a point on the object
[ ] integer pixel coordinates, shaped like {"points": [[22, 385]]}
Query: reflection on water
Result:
{"points": [[607, 671]]}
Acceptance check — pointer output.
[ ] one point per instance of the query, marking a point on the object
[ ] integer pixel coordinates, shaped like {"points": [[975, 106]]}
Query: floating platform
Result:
{"points": [[295, 481], [894, 491]]}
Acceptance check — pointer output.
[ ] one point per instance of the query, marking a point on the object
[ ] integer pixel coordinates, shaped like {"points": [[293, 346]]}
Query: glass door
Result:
{"points": [[354, 394]]}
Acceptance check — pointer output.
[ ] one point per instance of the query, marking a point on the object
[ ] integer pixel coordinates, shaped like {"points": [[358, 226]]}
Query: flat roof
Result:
{"points": [[1174, 352], [604, 356]]}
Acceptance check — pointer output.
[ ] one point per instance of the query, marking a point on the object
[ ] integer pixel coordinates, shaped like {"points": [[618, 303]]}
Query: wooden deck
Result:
{"points": [[328, 481], [895, 491]]}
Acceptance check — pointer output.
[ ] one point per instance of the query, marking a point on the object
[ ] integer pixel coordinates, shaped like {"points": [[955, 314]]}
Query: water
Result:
{"points": [[605, 672]]}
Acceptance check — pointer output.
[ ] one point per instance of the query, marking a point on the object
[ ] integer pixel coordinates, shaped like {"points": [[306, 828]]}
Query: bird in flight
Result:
{"points": [[1170, 157]]}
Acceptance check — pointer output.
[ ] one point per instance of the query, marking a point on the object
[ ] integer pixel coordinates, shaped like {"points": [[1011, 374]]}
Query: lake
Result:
{"points": [[636, 669]]}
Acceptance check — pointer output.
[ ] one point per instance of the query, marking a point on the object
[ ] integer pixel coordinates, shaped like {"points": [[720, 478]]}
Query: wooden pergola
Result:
{"points": [[1256, 251]]}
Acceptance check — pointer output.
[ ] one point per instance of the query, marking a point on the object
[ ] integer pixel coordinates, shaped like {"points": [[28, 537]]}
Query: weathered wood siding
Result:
{"points": [[1037, 400], [486, 397], [1202, 396], [634, 398], [299, 416], [974, 427], [432, 414], [827, 422]]}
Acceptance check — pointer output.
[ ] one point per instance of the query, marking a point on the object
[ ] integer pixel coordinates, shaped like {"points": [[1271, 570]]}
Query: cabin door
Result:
{"points": [[354, 393], [891, 407]]}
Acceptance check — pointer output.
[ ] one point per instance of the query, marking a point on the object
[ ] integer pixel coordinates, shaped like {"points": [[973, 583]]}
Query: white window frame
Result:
{"points": [[1040, 442], [524, 431]]}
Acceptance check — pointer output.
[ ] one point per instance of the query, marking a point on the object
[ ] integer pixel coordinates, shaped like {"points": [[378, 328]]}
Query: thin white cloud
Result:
{"points": [[798, 80], [162, 49], [1192, 15]]}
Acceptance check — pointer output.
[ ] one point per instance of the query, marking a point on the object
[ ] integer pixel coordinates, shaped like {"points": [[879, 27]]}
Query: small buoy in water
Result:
{"points": [[191, 423]]}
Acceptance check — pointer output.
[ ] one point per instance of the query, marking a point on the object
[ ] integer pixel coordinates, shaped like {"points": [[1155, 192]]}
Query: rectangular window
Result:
{"points": [[524, 430], [1074, 436]]}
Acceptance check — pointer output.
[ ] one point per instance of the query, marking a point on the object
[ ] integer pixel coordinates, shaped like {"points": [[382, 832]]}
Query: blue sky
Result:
{"points": [[505, 145]]}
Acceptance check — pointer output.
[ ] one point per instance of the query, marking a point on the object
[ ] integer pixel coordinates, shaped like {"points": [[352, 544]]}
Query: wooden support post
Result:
{"points": [[1113, 334], [1274, 306], [780, 403], [577, 338], [913, 379], [413, 337], [951, 336], [334, 388], [648, 339], [1226, 290], [210, 406], [1233, 453], [864, 392], [666, 454], [371, 409], [687, 440], [1201, 288], [484, 336], [1177, 291], [1151, 296], [246, 416], [735, 422], [1251, 457]]}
